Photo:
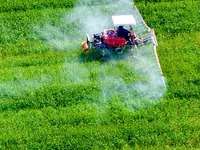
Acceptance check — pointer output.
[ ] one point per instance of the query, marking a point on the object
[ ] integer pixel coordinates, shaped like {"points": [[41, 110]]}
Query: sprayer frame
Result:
{"points": [[105, 42]]}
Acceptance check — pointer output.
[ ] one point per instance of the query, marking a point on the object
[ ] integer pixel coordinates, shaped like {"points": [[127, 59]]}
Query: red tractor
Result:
{"points": [[115, 39]]}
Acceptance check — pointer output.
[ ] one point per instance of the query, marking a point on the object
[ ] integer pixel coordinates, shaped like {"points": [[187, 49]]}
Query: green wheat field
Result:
{"points": [[53, 96]]}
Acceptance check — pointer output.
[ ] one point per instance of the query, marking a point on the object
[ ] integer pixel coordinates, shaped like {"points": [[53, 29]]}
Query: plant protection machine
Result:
{"points": [[113, 40]]}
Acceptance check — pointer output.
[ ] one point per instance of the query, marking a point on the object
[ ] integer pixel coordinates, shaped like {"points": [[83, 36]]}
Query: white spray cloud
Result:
{"points": [[55, 37], [87, 17], [90, 20], [150, 88], [74, 73], [92, 16], [19, 86]]}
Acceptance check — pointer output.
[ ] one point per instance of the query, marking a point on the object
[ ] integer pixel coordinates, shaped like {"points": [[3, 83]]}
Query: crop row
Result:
{"points": [[158, 1], [32, 32], [50, 95], [178, 19], [180, 59], [40, 59], [22, 25], [32, 82], [87, 126], [179, 53], [19, 5]]}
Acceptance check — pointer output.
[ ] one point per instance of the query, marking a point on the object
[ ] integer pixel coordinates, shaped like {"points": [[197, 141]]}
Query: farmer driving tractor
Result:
{"points": [[115, 39], [128, 35], [121, 32]]}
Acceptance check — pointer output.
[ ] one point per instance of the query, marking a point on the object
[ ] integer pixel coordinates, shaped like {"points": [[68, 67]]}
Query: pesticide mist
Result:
{"points": [[150, 87], [133, 82]]}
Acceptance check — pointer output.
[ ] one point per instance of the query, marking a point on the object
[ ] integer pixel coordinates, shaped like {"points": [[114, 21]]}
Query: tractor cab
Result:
{"points": [[111, 36], [124, 20]]}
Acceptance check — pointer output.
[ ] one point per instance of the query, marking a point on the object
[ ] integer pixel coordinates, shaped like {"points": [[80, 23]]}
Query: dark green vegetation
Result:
{"points": [[43, 107]]}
